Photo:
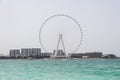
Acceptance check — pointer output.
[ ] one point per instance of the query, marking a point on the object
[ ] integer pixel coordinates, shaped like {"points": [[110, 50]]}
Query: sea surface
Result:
{"points": [[92, 69]]}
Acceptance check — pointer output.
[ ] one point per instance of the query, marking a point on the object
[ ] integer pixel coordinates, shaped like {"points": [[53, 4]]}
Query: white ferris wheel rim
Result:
{"points": [[59, 15]]}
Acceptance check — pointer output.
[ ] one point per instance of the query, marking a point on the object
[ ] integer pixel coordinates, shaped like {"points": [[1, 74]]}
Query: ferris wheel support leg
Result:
{"points": [[60, 39], [63, 45], [56, 51]]}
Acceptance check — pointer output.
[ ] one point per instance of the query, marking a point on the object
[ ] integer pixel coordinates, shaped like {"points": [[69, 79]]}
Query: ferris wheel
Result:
{"points": [[79, 35]]}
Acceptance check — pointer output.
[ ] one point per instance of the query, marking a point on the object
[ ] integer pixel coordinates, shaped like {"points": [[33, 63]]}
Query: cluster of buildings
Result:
{"points": [[28, 52], [36, 53], [92, 55]]}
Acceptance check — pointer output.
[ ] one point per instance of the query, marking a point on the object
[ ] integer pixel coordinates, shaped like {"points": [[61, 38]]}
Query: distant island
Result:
{"points": [[35, 53]]}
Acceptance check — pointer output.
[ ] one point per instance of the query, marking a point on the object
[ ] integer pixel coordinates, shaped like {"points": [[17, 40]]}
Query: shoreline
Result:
{"points": [[66, 59]]}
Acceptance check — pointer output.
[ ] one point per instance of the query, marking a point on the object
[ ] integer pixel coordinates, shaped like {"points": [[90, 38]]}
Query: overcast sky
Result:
{"points": [[20, 21]]}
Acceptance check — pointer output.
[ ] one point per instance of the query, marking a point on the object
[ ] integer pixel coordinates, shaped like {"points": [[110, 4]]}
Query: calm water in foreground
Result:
{"points": [[60, 70]]}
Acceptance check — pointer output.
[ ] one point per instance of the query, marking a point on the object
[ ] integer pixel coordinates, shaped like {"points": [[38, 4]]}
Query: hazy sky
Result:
{"points": [[20, 21]]}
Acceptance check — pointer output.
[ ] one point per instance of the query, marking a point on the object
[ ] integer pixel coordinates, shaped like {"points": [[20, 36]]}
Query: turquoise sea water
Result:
{"points": [[60, 70]]}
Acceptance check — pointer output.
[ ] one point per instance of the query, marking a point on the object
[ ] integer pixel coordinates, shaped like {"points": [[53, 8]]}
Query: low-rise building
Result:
{"points": [[77, 55], [14, 53], [94, 54], [60, 53], [109, 56], [87, 55], [36, 52], [44, 55], [26, 52]]}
